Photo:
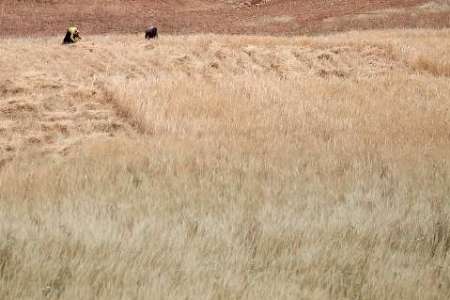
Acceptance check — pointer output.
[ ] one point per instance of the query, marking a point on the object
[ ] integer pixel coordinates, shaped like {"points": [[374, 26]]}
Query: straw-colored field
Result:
{"points": [[223, 167]]}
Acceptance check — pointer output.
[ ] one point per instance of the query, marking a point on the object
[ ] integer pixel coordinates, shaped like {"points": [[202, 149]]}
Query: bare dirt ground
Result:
{"points": [[49, 17]]}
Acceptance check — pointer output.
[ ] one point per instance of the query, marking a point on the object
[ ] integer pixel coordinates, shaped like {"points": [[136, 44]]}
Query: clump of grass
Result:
{"points": [[436, 68]]}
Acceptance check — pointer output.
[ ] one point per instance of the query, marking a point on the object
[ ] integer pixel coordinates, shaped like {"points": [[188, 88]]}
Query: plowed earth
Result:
{"points": [[49, 17]]}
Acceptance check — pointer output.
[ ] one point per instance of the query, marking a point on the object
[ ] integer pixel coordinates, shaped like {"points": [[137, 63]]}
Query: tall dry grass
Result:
{"points": [[311, 168]]}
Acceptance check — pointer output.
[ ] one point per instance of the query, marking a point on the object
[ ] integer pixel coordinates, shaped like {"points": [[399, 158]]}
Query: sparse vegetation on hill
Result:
{"points": [[223, 167]]}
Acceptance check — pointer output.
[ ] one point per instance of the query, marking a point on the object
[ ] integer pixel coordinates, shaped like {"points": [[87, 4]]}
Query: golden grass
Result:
{"points": [[244, 167]]}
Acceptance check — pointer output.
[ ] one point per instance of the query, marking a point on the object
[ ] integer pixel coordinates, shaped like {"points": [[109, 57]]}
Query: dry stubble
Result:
{"points": [[242, 167]]}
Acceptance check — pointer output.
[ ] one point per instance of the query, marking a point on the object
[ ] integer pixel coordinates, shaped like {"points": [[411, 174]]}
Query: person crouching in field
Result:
{"points": [[72, 35], [151, 32]]}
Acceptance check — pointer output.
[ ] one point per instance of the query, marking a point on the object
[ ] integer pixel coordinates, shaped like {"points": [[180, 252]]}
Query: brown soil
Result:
{"points": [[49, 17]]}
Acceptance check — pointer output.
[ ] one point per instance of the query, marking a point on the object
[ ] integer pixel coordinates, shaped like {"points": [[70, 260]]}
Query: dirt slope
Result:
{"points": [[29, 18]]}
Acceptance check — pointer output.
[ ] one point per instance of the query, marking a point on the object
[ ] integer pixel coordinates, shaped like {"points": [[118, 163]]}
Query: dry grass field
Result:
{"points": [[226, 167]]}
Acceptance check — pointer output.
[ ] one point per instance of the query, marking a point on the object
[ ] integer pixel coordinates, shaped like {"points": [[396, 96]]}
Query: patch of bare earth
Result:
{"points": [[30, 18], [430, 14]]}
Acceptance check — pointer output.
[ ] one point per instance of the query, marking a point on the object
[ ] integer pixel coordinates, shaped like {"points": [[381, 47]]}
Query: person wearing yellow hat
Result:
{"points": [[72, 35]]}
